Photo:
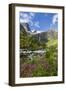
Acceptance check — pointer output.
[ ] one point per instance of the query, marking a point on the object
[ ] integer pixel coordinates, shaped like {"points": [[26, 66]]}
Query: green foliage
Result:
{"points": [[51, 55], [24, 40], [29, 42], [33, 43], [39, 65]]}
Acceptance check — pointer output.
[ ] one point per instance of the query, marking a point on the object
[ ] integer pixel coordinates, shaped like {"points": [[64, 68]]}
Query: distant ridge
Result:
{"points": [[41, 36]]}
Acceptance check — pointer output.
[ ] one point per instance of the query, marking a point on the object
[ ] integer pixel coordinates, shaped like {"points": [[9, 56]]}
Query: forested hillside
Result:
{"points": [[44, 61]]}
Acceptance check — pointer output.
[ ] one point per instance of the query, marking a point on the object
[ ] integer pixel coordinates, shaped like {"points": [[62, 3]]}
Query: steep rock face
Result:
{"points": [[42, 36], [25, 26], [52, 34]]}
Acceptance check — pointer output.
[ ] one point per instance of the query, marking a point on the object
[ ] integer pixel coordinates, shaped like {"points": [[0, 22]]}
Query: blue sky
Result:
{"points": [[40, 21]]}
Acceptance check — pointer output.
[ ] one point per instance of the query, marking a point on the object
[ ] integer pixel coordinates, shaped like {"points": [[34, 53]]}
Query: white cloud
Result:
{"points": [[55, 19], [24, 15], [31, 23], [38, 31], [37, 24], [33, 30], [26, 18], [32, 14]]}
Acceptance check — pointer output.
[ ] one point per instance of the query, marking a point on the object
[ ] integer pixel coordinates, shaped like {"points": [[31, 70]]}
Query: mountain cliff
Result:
{"points": [[42, 36]]}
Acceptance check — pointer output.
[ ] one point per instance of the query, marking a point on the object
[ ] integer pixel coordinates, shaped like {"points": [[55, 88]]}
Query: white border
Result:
{"points": [[19, 80]]}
